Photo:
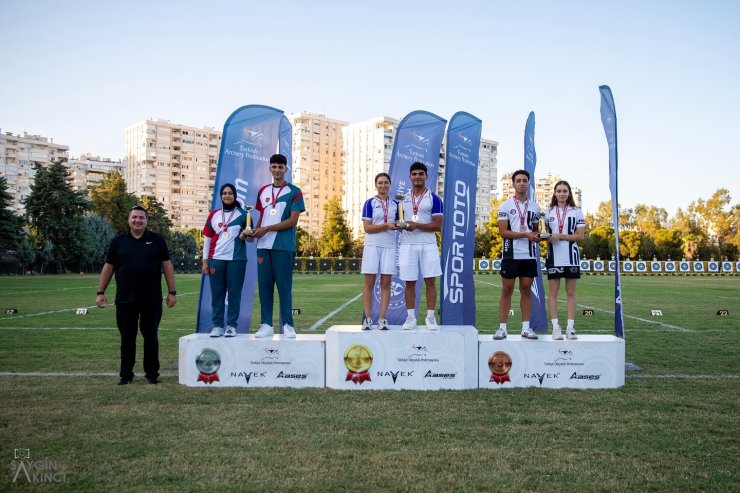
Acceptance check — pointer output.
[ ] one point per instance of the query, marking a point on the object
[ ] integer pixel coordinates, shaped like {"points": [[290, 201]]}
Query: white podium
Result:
{"points": [[359, 359], [589, 362], [244, 361]]}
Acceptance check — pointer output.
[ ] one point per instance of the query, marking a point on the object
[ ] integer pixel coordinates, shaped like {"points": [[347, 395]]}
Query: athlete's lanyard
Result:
{"points": [[385, 206], [519, 212], [415, 204], [274, 198], [561, 222], [224, 222]]}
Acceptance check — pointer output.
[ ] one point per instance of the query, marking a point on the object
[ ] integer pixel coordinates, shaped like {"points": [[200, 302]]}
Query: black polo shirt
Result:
{"points": [[138, 267]]}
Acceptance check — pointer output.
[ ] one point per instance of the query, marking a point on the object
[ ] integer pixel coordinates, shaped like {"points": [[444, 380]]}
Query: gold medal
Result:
{"points": [[358, 358]]}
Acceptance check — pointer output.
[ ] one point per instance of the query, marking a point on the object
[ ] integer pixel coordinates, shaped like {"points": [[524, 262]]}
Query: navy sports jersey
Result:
{"points": [[564, 253], [520, 248]]}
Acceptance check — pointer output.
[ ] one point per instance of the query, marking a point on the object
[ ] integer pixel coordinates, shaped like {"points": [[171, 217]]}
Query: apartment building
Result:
{"points": [[317, 165], [543, 190], [18, 153], [87, 170], [174, 163]]}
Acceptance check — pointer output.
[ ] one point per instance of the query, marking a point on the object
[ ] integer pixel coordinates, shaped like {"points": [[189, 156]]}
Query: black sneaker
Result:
{"points": [[152, 381], [125, 381]]}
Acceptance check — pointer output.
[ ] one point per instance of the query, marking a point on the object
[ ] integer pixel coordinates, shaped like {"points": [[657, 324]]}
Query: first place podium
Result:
{"points": [[359, 359]]}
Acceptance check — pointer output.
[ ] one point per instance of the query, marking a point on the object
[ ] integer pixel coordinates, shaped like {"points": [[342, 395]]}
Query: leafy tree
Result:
{"points": [[649, 219], [603, 216], [717, 219], [98, 234], [26, 254], [197, 235], [336, 238], [629, 244], [159, 220], [111, 201], [183, 250], [45, 255], [496, 242], [483, 242], [55, 211], [602, 239], [358, 245], [11, 231], [668, 244]]}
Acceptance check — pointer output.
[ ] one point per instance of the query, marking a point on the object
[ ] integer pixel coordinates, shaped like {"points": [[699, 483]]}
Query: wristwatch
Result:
{"points": [[173, 293], [100, 292]]}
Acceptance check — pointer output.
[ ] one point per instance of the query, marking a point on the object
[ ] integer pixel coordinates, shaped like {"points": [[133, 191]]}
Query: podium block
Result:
{"points": [[359, 359], [589, 362], [244, 361]]}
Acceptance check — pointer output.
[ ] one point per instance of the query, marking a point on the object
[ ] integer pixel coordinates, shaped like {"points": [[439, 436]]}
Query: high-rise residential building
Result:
{"points": [[367, 152], [485, 183], [317, 165], [543, 190], [176, 164], [18, 153], [87, 170]]}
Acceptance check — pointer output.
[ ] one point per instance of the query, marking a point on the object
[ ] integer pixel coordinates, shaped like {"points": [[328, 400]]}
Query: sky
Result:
{"points": [[82, 71]]}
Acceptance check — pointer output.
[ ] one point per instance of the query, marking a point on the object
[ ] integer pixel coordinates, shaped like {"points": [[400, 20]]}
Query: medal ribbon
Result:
{"points": [[278, 194], [358, 378], [561, 222], [500, 379], [208, 378], [224, 222], [414, 204], [385, 206], [522, 217]]}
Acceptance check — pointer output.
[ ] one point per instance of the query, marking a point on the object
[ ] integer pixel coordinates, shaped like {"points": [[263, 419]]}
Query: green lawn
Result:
{"points": [[672, 427]]}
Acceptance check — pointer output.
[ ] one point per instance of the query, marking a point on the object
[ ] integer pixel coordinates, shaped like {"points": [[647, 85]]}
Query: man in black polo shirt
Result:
{"points": [[138, 259]]}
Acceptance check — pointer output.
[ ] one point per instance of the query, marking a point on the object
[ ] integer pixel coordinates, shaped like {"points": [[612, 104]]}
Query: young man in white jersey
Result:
{"points": [[280, 204], [418, 253], [566, 223], [518, 224]]}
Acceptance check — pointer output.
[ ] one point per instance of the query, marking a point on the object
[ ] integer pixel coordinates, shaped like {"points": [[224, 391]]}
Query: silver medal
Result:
{"points": [[273, 212], [225, 235], [415, 217]]}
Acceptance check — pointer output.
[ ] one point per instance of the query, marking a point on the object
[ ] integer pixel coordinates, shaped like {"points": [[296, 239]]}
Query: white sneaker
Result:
{"points": [[217, 332], [409, 324], [528, 334], [557, 333], [367, 324], [382, 324], [265, 331], [431, 323], [570, 333], [500, 334], [230, 331], [288, 331]]}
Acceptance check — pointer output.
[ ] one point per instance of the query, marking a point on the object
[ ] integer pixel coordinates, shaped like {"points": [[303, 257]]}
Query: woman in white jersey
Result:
{"points": [[225, 260], [566, 225], [379, 253]]}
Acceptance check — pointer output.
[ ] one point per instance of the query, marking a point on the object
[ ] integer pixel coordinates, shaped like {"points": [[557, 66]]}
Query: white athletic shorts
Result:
{"points": [[417, 257], [378, 260]]}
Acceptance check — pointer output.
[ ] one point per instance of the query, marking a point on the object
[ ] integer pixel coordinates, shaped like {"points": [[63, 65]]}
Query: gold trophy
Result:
{"points": [[401, 223], [247, 231], [544, 235]]}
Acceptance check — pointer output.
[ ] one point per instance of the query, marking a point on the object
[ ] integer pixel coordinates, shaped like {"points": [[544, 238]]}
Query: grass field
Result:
{"points": [[674, 426]]}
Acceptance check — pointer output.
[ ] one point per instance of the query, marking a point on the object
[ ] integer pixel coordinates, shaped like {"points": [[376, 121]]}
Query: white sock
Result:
{"points": [[430, 313], [571, 324], [411, 313], [555, 323], [525, 325], [502, 325]]}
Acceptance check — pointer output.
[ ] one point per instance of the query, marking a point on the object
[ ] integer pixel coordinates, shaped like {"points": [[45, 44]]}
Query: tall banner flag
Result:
{"points": [[609, 120], [418, 138], [537, 313], [458, 229], [251, 135]]}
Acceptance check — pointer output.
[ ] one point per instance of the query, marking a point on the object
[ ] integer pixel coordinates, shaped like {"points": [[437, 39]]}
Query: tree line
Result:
{"points": [[65, 230]]}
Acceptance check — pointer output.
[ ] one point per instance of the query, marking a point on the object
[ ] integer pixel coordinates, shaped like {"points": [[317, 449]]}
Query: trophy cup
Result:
{"points": [[400, 224], [247, 231], [544, 235]]}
